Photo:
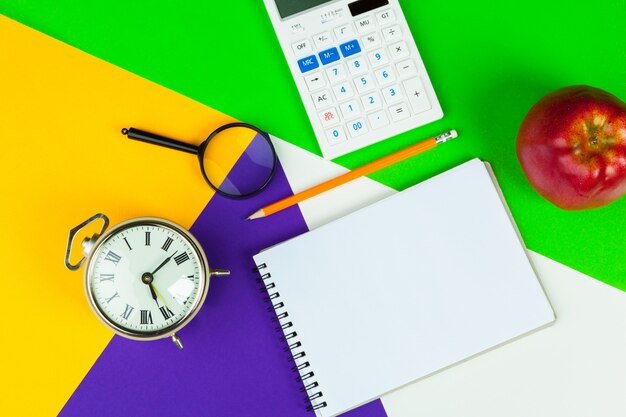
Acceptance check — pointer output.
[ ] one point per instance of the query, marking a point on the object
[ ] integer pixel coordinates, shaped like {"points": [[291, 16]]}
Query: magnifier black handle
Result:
{"points": [[155, 139]]}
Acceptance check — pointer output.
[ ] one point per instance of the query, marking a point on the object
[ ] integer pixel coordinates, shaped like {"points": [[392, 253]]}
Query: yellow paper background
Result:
{"points": [[62, 160]]}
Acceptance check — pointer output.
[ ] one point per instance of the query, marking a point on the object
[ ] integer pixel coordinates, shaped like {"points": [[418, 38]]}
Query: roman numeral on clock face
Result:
{"points": [[146, 317], [166, 245], [147, 238], [181, 258], [106, 277], [129, 309], [113, 257], [167, 313], [128, 244], [114, 296]]}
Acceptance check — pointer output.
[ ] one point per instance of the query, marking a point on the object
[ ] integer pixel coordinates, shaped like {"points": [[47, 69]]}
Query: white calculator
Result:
{"points": [[357, 69]]}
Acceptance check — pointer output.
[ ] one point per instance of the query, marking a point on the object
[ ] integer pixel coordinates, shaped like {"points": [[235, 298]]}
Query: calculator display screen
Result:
{"points": [[361, 6], [287, 8]]}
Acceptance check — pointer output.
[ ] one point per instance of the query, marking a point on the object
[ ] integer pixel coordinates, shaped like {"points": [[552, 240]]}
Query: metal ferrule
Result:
{"points": [[444, 137]]}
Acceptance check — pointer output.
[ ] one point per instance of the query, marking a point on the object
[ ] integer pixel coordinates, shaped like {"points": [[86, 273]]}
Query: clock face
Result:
{"points": [[146, 278]]}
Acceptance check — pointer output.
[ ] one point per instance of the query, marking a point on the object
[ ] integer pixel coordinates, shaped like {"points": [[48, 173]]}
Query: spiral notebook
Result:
{"points": [[403, 288]]}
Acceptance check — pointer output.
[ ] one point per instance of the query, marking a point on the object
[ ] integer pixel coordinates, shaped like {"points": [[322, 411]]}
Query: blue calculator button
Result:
{"points": [[308, 63], [329, 55], [350, 48]]}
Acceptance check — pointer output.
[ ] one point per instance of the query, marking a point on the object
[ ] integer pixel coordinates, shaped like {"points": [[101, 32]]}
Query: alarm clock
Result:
{"points": [[145, 278]]}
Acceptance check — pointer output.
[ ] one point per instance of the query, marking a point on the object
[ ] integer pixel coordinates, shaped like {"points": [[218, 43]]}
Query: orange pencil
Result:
{"points": [[349, 176]]}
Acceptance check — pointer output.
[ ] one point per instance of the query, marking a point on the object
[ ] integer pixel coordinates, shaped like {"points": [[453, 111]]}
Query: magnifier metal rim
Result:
{"points": [[202, 150]]}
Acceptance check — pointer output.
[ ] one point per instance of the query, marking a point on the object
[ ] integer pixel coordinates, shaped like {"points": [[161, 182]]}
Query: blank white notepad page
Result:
{"points": [[405, 287]]}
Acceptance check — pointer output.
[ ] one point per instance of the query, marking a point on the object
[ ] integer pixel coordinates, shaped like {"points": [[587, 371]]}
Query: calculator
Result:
{"points": [[357, 69]]}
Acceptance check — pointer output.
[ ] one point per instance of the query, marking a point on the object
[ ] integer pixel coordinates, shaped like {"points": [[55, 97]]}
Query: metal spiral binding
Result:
{"points": [[294, 346]]}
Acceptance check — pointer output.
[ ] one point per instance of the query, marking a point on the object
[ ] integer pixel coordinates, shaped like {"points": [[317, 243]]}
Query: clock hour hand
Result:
{"points": [[163, 263], [154, 294], [147, 279]]}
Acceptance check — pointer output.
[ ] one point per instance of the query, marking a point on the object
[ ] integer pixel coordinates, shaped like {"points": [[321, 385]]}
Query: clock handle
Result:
{"points": [[218, 272], [87, 242]]}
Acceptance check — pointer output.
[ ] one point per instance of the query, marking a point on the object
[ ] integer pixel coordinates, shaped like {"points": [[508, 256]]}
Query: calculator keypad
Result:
{"points": [[364, 77]]}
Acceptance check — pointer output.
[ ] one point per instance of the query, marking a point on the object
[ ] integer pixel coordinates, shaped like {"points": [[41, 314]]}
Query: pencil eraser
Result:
{"points": [[453, 134]]}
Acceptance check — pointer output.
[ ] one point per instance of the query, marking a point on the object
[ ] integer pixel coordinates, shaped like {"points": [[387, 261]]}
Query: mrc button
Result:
{"points": [[308, 63], [350, 48]]}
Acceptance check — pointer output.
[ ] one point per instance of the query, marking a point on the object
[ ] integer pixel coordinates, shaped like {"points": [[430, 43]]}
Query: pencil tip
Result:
{"points": [[256, 215]]}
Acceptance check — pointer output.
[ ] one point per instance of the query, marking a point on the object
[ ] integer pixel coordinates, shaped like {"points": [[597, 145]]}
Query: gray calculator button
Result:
{"points": [[399, 111], [417, 95], [322, 99], [406, 68], [386, 16], [399, 50], [315, 81], [365, 24]]}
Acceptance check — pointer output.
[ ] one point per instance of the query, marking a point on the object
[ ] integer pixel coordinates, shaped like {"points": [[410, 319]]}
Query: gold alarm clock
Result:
{"points": [[145, 278]]}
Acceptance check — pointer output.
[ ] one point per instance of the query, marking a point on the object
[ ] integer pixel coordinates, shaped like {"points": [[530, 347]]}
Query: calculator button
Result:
{"points": [[336, 73], [329, 117], [386, 17], [314, 81], [378, 57], [357, 66], [357, 127], [350, 109], [392, 33], [385, 75], [371, 41], [336, 135], [399, 50], [378, 119], [322, 99], [406, 68], [392, 94], [344, 32], [417, 95], [323, 39], [301, 47], [343, 91], [371, 101], [329, 55], [307, 64], [399, 111], [365, 24], [364, 83], [350, 48]]}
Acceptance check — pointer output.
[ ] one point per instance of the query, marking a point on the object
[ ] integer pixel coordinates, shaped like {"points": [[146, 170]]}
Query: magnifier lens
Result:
{"points": [[238, 161]]}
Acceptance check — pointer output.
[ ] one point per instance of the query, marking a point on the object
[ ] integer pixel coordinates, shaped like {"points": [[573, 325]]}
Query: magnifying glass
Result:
{"points": [[252, 171]]}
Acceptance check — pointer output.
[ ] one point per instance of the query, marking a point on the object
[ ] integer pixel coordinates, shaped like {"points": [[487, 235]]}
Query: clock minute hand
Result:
{"points": [[163, 263]]}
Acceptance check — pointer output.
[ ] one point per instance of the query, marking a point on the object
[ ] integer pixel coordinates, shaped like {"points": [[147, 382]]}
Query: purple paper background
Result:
{"points": [[233, 363]]}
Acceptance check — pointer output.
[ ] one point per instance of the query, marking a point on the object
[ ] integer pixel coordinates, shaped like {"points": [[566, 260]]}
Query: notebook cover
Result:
{"points": [[404, 288]]}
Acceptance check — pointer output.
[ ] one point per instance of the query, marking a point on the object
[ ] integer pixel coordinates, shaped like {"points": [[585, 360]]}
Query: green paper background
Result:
{"points": [[489, 63]]}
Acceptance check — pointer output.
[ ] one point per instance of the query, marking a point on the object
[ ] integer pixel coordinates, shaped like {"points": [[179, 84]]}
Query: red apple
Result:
{"points": [[572, 147]]}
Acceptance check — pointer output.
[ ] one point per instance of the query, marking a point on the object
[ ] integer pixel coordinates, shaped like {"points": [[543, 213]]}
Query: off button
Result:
{"points": [[301, 47]]}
